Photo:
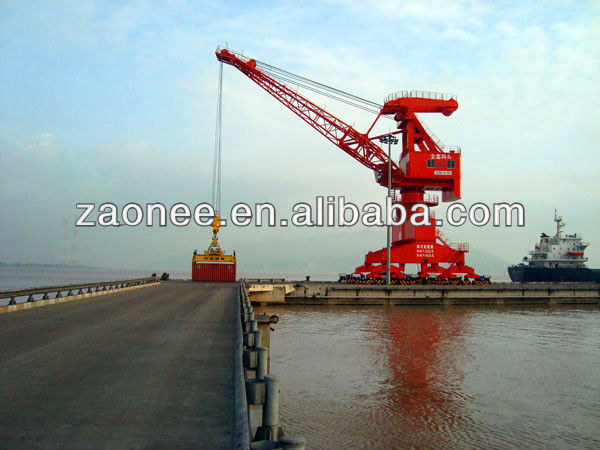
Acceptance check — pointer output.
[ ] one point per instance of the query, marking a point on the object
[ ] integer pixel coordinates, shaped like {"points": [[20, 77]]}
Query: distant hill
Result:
{"points": [[485, 263]]}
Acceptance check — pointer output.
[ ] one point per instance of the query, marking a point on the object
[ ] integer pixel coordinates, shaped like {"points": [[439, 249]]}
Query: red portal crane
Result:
{"points": [[424, 165]]}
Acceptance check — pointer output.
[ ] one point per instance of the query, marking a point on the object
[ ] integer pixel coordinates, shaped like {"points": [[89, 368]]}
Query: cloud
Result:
{"points": [[43, 140]]}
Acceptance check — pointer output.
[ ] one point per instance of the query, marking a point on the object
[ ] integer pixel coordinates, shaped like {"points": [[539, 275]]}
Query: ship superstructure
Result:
{"points": [[558, 251], [555, 258]]}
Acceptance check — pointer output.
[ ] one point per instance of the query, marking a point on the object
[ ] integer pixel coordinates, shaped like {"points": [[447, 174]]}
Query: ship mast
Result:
{"points": [[559, 224]]}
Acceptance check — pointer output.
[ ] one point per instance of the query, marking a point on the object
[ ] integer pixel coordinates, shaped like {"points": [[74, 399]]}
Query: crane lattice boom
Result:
{"points": [[354, 143]]}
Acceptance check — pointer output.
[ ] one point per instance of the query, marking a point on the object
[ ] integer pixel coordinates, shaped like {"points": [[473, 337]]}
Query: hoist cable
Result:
{"points": [[216, 181]]}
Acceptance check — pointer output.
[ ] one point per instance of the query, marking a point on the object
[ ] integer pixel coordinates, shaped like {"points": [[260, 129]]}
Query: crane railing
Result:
{"points": [[419, 94], [451, 149], [431, 198], [427, 198], [460, 246], [438, 142]]}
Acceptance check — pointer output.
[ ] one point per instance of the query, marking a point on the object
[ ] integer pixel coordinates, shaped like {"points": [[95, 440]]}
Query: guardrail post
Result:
{"points": [[271, 410], [261, 362], [269, 430], [13, 301], [30, 298], [248, 340], [289, 442], [257, 338], [248, 322], [250, 358]]}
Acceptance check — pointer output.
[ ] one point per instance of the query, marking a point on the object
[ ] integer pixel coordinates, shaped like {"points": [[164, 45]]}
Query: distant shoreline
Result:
{"points": [[66, 266], [21, 264]]}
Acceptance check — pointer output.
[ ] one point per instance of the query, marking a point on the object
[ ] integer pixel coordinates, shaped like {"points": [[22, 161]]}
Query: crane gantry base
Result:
{"points": [[437, 261]]}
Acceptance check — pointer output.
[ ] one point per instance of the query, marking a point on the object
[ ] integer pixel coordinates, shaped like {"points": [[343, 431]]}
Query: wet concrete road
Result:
{"points": [[149, 368]]}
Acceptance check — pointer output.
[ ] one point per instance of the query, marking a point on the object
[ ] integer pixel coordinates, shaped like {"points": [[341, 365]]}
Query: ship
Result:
{"points": [[556, 258]]}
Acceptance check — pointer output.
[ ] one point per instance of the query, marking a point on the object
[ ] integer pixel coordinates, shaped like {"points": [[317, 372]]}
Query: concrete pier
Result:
{"points": [[330, 293], [147, 368]]}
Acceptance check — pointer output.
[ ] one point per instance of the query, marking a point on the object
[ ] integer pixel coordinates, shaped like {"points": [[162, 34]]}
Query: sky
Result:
{"points": [[116, 102]]}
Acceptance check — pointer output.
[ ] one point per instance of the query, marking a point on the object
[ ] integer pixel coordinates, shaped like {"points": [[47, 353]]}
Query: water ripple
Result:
{"points": [[439, 378]]}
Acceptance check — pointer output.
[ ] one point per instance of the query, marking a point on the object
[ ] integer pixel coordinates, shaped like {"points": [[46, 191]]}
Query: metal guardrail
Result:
{"points": [[241, 436], [261, 388], [80, 288], [263, 280]]}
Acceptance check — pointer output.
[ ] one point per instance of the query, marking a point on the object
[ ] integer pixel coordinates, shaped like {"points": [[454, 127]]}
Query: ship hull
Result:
{"points": [[522, 273]]}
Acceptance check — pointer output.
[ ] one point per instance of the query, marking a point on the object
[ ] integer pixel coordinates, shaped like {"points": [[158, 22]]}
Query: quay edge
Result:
{"points": [[324, 293]]}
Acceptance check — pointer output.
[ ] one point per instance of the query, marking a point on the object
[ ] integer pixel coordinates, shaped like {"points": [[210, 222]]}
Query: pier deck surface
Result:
{"points": [[151, 368]]}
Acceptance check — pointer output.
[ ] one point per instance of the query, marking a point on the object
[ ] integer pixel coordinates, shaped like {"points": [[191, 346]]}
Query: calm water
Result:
{"points": [[439, 378]]}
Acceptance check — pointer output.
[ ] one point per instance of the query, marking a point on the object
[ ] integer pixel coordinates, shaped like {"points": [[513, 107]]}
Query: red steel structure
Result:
{"points": [[424, 165]]}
